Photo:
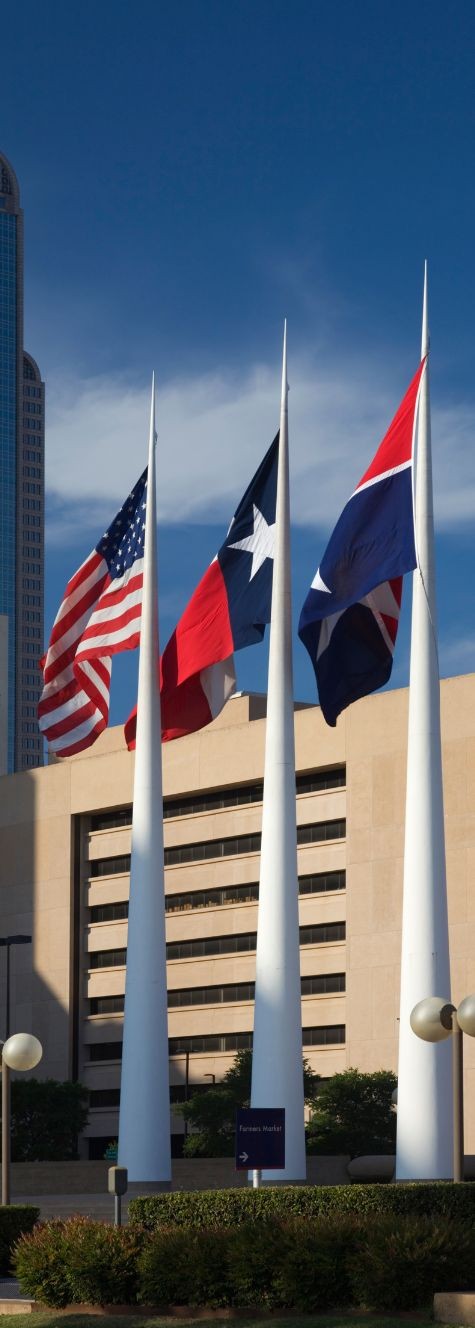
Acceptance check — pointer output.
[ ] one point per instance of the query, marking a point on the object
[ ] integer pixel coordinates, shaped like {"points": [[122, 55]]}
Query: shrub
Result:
{"points": [[314, 1275], [313, 1264], [256, 1254], [79, 1261], [40, 1265], [400, 1265], [214, 1209], [14, 1220], [182, 1267], [102, 1262]]}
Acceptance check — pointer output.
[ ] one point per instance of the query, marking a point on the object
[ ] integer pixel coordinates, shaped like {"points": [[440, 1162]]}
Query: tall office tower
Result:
{"points": [[22, 413]]}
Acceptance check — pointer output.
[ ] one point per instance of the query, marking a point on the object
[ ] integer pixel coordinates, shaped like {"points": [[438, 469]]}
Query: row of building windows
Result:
{"points": [[31, 505], [316, 883], [221, 848], [31, 391], [228, 993], [319, 985], [30, 439], [29, 615], [32, 424], [32, 456], [322, 933], [327, 1035], [313, 781], [33, 473], [31, 520], [30, 406], [32, 599]]}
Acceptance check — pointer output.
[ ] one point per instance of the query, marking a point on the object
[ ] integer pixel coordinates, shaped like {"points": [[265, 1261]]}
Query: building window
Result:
{"points": [[212, 945], [323, 983], [237, 844], [107, 958], [106, 1005], [312, 781], [322, 882], [105, 1051], [225, 995], [229, 894], [104, 1097], [324, 933], [110, 866], [330, 1036], [109, 912], [210, 1042]]}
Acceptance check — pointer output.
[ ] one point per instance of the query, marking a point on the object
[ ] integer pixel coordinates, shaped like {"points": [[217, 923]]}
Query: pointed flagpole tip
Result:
{"points": [[425, 317], [285, 385]]}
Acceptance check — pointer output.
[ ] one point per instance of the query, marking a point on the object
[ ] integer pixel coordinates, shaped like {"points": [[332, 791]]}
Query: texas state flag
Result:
{"points": [[229, 609], [350, 617]]}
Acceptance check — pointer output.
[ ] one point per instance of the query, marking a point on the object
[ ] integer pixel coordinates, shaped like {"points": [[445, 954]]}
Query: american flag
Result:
{"points": [[99, 616]]}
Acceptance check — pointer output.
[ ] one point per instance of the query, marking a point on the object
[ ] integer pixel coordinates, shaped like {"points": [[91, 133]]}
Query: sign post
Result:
{"points": [[260, 1140]]}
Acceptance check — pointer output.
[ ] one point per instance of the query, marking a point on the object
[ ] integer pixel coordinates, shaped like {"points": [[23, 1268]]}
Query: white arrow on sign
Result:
{"points": [[243, 1157]]}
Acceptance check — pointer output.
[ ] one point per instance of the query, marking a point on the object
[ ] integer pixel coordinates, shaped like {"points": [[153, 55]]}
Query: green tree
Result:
{"points": [[47, 1117], [353, 1114], [211, 1116]]}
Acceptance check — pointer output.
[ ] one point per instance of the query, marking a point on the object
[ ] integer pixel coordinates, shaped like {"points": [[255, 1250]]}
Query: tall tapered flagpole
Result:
{"points": [[277, 1075], [424, 1111], [144, 1122]]}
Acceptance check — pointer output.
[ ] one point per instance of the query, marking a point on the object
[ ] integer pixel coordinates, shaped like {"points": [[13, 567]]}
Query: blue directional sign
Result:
{"points": [[260, 1138]]}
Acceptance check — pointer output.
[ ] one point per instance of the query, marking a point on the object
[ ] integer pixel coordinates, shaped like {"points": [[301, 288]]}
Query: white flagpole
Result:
{"points": [[144, 1127], [277, 1076], [424, 1110]]}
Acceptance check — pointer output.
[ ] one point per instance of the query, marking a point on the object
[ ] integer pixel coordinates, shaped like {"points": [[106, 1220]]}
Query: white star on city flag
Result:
{"points": [[260, 543]]}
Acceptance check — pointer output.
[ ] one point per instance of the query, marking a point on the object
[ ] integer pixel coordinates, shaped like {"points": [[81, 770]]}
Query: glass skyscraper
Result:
{"points": [[22, 413]]}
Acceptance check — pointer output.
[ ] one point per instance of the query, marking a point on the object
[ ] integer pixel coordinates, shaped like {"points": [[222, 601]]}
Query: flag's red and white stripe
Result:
{"points": [[98, 618]]}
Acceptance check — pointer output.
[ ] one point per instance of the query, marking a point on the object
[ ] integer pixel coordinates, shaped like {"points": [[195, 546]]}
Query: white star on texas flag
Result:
{"points": [[260, 543]]}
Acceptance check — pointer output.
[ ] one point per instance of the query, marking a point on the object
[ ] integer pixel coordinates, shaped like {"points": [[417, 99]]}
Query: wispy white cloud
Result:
{"points": [[457, 655], [213, 431]]}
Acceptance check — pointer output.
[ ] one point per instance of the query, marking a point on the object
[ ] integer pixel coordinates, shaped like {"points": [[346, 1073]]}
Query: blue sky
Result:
{"points": [[191, 173]]}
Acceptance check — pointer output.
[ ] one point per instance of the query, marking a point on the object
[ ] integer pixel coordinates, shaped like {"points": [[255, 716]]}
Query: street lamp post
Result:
{"points": [[22, 1051], [433, 1020]]}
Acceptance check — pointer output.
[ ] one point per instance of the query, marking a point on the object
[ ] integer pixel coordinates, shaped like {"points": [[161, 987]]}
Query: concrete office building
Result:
{"points": [[64, 854], [22, 412]]}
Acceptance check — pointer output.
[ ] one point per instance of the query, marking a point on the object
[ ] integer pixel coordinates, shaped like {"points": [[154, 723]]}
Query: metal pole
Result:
{"points": [[256, 1179], [7, 1000], [187, 1084], [5, 1133], [117, 1210], [457, 1067]]}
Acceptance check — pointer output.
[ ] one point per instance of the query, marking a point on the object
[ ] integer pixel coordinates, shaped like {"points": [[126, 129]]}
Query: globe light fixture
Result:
{"points": [[434, 1019], [22, 1051]]}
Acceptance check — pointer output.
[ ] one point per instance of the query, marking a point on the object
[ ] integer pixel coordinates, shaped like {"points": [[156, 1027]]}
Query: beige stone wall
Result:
{"points": [[47, 847]]}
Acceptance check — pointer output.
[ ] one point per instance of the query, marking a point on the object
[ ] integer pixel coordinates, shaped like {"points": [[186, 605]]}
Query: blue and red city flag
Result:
{"points": [[99, 617], [228, 610], [350, 617]]}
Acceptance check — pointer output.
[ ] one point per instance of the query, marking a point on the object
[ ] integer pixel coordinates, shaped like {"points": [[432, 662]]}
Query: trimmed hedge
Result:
{"points": [[215, 1209], [14, 1220], [79, 1262], [313, 1264]]}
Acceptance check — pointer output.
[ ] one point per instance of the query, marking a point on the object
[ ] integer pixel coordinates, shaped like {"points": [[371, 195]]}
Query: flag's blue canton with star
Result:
{"points": [[123, 542], [246, 557]]}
